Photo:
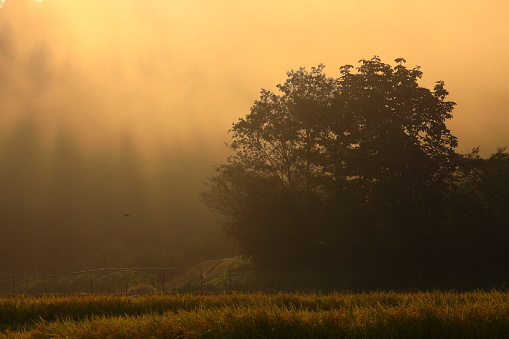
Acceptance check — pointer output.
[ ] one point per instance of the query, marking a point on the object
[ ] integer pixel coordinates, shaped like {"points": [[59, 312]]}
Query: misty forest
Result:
{"points": [[78, 189], [350, 179]]}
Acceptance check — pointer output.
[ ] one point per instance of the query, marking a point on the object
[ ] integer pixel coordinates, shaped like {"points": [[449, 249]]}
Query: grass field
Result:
{"points": [[366, 315]]}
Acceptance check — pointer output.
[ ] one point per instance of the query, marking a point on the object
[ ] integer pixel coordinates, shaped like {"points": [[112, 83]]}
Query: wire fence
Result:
{"points": [[131, 280]]}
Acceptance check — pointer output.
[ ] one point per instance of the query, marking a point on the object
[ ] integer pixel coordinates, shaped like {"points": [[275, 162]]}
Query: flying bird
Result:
{"points": [[127, 215]]}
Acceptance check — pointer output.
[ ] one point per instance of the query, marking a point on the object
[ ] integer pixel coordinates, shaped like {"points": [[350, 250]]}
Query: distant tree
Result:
{"points": [[332, 170], [275, 168]]}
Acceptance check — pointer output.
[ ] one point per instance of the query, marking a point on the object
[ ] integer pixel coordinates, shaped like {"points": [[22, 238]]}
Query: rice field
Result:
{"points": [[437, 314]]}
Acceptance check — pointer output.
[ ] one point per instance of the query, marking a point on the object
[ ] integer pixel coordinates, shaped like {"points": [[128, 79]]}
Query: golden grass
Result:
{"points": [[367, 315]]}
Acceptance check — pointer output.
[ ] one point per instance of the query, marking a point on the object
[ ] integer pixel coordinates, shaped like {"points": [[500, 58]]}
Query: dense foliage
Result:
{"points": [[357, 176]]}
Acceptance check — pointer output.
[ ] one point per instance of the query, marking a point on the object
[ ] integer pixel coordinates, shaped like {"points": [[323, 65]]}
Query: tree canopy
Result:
{"points": [[350, 174]]}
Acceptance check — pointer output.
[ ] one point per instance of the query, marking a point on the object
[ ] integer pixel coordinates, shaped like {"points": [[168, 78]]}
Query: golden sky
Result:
{"points": [[175, 74]]}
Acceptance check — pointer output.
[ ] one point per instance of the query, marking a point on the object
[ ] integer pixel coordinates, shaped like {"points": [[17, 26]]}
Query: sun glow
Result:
{"points": [[166, 72]]}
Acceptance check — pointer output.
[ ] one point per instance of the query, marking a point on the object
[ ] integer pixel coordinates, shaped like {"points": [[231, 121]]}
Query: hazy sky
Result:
{"points": [[176, 74], [170, 77]]}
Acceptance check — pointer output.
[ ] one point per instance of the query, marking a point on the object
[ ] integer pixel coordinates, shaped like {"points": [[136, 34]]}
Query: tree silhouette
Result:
{"points": [[353, 173]]}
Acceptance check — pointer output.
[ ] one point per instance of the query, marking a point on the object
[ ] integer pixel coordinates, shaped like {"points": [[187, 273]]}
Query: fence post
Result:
{"points": [[13, 287], [201, 279], [44, 284], [91, 285], [172, 270], [126, 286]]}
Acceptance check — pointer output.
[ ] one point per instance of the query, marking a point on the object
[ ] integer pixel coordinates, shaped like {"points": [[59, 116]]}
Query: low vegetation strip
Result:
{"points": [[367, 315]]}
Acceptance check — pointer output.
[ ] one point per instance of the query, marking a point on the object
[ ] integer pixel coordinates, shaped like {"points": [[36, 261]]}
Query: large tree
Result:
{"points": [[328, 164]]}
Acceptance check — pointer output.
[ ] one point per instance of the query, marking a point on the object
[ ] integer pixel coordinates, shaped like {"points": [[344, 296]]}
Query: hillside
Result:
{"points": [[215, 274]]}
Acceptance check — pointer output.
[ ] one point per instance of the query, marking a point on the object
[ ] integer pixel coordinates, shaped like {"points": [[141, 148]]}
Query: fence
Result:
{"points": [[139, 280]]}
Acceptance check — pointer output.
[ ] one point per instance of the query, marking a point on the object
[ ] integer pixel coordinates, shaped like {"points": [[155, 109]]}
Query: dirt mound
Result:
{"points": [[210, 270]]}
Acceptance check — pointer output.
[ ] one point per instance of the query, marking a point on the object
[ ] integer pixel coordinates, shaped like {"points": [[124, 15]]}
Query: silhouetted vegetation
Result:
{"points": [[356, 179]]}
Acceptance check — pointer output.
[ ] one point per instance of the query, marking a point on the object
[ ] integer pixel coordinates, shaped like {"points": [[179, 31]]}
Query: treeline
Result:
{"points": [[64, 207], [354, 180]]}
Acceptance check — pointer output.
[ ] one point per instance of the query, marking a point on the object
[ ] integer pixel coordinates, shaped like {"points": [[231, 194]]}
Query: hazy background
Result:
{"points": [[114, 107]]}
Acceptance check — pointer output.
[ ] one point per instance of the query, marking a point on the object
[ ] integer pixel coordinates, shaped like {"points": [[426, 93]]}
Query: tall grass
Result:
{"points": [[368, 315]]}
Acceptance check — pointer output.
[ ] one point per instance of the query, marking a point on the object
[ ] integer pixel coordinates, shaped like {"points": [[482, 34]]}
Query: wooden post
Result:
{"points": [[201, 279], [44, 284], [91, 285], [172, 270], [13, 287], [125, 286]]}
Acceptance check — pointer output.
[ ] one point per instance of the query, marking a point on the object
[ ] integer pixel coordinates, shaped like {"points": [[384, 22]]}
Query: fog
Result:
{"points": [[122, 107]]}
